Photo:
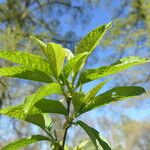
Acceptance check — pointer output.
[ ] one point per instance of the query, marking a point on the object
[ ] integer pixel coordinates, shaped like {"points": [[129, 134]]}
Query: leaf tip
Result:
{"points": [[109, 25]]}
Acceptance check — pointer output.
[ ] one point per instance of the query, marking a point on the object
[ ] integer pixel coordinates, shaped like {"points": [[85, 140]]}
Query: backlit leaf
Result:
{"points": [[25, 73], [77, 99], [24, 142], [69, 55], [28, 60], [42, 45], [113, 95], [94, 91], [56, 56], [90, 95], [74, 64], [37, 118], [122, 64], [46, 90], [92, 39]]}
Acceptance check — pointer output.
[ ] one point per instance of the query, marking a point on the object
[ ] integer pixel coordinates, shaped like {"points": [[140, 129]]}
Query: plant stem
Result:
{"points": [[68, 100], [64, 138], [66, 129]]}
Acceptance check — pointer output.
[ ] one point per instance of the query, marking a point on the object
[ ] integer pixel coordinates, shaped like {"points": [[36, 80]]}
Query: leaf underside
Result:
{"points": [[48, 106], [37, 118], [25, 73], [74, 64], [28, 60], [94, 136], [38, 112], [92, 39]]}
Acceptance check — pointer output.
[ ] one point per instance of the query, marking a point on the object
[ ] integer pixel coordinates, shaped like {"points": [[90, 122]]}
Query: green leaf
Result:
{"points": [[25, 73], [94, 91], [77, 99], [42, 45], [46, 90], [56, 56], [90, 95], [74, 64], [24, 142], [28, 60], [94, 136], [115, 94], [82, 145], [92, 39], [48, 106], [69, 55], [37, 118], [37, 114], [122, 64], [42, 120]]}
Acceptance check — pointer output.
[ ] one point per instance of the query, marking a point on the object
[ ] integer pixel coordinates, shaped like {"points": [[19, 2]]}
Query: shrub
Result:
{"points": [[63, 74]]}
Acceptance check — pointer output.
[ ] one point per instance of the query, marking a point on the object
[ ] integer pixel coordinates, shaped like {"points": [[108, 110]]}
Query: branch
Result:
{"points": [[121, 9], [50, 3]]}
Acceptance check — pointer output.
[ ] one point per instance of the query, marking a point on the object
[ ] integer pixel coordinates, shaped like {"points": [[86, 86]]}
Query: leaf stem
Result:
{"points": [[55, 135]]}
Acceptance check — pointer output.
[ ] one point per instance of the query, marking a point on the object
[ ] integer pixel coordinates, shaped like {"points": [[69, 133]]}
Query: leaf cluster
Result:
{"points": [[64, 74]]}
